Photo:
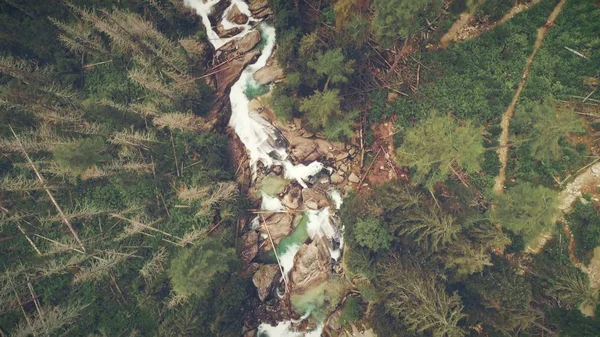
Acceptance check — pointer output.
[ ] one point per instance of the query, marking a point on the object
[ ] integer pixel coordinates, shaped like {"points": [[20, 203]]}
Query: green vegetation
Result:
{"points": [[120, 214], [352, 311], [437, 144], [526, 210], [193, 269], [584, 222], [111, 185], [370, 234], [399, 18]]}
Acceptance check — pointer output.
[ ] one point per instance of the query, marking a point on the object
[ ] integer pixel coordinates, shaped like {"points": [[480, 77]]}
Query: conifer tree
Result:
{"points": [[438, 146]]}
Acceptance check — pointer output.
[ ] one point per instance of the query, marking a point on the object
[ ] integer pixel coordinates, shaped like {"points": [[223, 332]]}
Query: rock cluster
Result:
{"points": [[259, 8], [264, 279], [236, 16], [311, 266], [271, 73]]}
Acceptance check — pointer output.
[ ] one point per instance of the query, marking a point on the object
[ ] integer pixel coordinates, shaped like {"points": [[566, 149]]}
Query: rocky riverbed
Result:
{"points": [[291, 246]]}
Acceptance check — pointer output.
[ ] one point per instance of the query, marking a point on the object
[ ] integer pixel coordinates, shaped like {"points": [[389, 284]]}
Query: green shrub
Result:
{"points": [[351, 312], [584, 222]]}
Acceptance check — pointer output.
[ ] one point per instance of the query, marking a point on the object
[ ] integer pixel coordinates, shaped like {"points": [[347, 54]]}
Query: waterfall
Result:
{"points": [[259, 137]]}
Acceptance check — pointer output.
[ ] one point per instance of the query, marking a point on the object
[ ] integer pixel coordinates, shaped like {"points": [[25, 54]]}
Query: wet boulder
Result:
{"points": [[279, 225], [311, 266], [259, 8], [250, 247], [315, 198], [237, 47], [264, 279], [236, 16], [225, 33], [232, 72], [271, 72], [293, 198]]}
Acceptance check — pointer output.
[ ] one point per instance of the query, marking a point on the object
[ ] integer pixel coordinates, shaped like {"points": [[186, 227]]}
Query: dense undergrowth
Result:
{"points": [[126, 163]]}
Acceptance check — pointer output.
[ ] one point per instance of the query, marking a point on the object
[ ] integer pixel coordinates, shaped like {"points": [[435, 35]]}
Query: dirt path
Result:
{"points": [[464, 28], [586, 182], [510, 111], [457, 30]]}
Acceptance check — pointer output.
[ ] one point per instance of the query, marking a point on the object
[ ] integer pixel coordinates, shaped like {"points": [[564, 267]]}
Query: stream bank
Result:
{"points": [[292, 245]]}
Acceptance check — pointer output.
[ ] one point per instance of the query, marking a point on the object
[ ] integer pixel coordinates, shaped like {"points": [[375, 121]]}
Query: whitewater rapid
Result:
{"points": [[259, 137]]}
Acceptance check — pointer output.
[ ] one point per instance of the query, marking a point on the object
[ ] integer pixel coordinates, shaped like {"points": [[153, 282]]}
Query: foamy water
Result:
{"points": [[260, 139]]}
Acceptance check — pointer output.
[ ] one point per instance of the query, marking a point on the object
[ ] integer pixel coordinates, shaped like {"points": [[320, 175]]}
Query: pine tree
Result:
{"points": [[371, 233], [193, 269], [430, 228], [438, 146], [333, 66], [321, 107], [396, 19], [549, 127], [417, 298], [526, 209]]}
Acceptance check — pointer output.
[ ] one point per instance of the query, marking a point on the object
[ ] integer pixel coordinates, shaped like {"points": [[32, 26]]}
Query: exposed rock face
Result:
{"points": [[228, 76], [280, 225], [250, 248], [315, 198], [259, 8], [336, 178], [235, 16], [293, 197], [222, 32], [270, 72], [235, 48], [264, 278], [250, 270], [354, 178], [311, 266], [304, 150]]}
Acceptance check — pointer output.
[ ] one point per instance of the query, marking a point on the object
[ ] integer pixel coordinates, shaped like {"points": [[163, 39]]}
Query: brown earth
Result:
{"points": [[466, 27], [384, 168], [510, 111]]}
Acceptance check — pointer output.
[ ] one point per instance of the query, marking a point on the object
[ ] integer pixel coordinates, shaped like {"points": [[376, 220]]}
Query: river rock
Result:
{"points": [[315, 198], [225, 33], [353, 178], [259, 8], [229, 75], [250, 270], [311, 266], [237, 47], [303, 149], [269, 73], [264, 278], [280, 225], [250, 247], [336, 178], [234, 15], [293, 198], [341, 156]]}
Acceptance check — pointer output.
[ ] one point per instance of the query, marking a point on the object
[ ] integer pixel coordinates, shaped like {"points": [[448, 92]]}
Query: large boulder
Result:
{"points": [[293, 198], [237, 47], [279, 225], [304, 150], [225, 33], [259, 8], [236, 16], [336, 178], [311, 267], [264, 278], [226, 77], [315, 198], [269, 73], [250, 247]]}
